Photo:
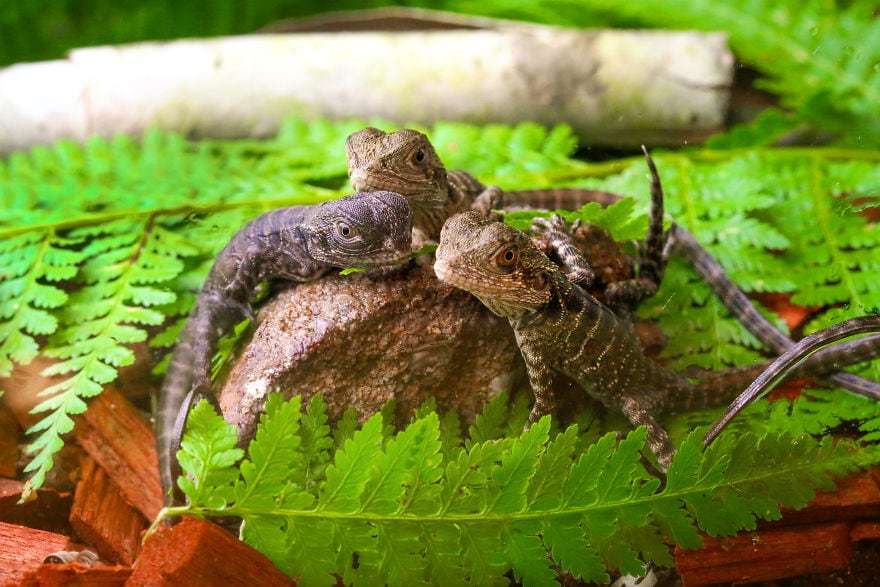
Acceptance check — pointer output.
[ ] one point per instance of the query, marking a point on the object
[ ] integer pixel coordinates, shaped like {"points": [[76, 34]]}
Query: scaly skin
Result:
{"points": [[560, 329], [291, 244], [789, 361], [405, 162]]}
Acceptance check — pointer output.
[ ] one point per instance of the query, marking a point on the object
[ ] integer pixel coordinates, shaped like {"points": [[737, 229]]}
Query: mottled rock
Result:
{"points": [[363, 340]]}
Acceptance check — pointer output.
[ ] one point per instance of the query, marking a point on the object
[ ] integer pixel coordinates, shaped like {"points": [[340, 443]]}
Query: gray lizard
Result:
{"points": [[405, 162], [561, 329], [297, 244]]}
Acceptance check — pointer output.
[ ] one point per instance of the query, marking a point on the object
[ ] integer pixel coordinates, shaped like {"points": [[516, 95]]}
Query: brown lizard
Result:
{"points": [[405, 162], [560, 329]]}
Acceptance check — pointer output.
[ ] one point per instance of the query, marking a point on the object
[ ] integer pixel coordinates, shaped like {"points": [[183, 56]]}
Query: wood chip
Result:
{"points": [[197, 552], [23, 549], [103, 519], [120, 440], [766, 555]]}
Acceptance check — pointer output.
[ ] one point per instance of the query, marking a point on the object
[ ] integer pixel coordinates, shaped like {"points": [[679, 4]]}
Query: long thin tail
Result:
{"points": [[188, 379], [740, 306], [652, 262], [558, 198], [717, 388], [789, 360]]}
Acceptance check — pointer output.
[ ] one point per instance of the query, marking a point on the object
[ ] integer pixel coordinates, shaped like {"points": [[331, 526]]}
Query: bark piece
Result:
{"points": [[119, 439], [23, 549], [618, 87], [766, 555], [102, 517], [857, 496], [196, 552], [77, 575], [10, 434], [47, 511], [362, 341], [865, 531]]}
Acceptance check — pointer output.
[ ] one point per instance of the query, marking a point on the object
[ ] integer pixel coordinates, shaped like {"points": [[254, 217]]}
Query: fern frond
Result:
{"points": [[29, 263], [588, 511], [125, 264]]}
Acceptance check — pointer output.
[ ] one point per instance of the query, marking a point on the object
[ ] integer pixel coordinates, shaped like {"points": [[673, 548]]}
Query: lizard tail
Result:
{"points": [[652, 260], [740, 306], [717, 388], [187, 380], [789, 360], [557, 198]]}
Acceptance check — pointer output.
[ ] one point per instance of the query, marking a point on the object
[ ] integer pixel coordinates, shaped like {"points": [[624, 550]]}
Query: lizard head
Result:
{"points": [[495, 262], [402, 161], [364, 229]]}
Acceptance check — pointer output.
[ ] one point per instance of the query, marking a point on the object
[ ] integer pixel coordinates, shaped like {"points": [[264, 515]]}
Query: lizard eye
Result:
{"points": [[420, 155], [345, 230], [506, 257]]}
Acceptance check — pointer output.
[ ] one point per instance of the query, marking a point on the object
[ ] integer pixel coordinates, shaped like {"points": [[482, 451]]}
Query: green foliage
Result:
{"points": [[413, 514], [820, 56], [103, 246]]}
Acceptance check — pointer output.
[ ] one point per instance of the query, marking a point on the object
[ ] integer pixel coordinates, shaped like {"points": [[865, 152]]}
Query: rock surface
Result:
{"points": [[361, 341]]}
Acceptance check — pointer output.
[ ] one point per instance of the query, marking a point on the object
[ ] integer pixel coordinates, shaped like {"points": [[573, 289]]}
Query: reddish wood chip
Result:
{"points": [[103, 519], [865, 531], [857, 496], [48, 511], [10, 435], [77, 575], [114, 434], [196, 552], [766, 555], [23, 550]]}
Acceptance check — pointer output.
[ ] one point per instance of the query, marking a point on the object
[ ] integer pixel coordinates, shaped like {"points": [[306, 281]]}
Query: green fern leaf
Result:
{"points": [[207, 457]]}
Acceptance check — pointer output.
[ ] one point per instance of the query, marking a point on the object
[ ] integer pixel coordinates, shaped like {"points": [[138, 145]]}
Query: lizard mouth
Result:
{"points": [[447, 275]]}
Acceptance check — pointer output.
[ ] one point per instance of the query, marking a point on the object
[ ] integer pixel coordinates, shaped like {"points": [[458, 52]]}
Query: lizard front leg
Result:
{"points": [[575, 266], [658, 439], [541, 381]]}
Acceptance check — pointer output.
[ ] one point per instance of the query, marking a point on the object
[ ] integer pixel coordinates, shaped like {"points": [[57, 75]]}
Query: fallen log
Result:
{"points": [[615, 87]]}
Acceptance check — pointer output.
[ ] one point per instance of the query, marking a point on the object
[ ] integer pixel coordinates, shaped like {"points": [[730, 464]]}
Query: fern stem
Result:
{"points": [[844, 462]]}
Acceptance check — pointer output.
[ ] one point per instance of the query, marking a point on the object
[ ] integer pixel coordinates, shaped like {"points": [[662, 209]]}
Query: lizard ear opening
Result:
{"points": [[538, 281]]}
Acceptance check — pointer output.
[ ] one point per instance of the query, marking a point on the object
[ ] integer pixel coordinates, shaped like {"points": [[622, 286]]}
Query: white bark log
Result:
{"points": [[613, 87]]}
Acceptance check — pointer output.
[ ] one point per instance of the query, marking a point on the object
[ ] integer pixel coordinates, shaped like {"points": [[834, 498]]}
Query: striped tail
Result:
{"points": [[653, 262], [788, 361], [740, 306], [717, 388], [558, 198]]}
